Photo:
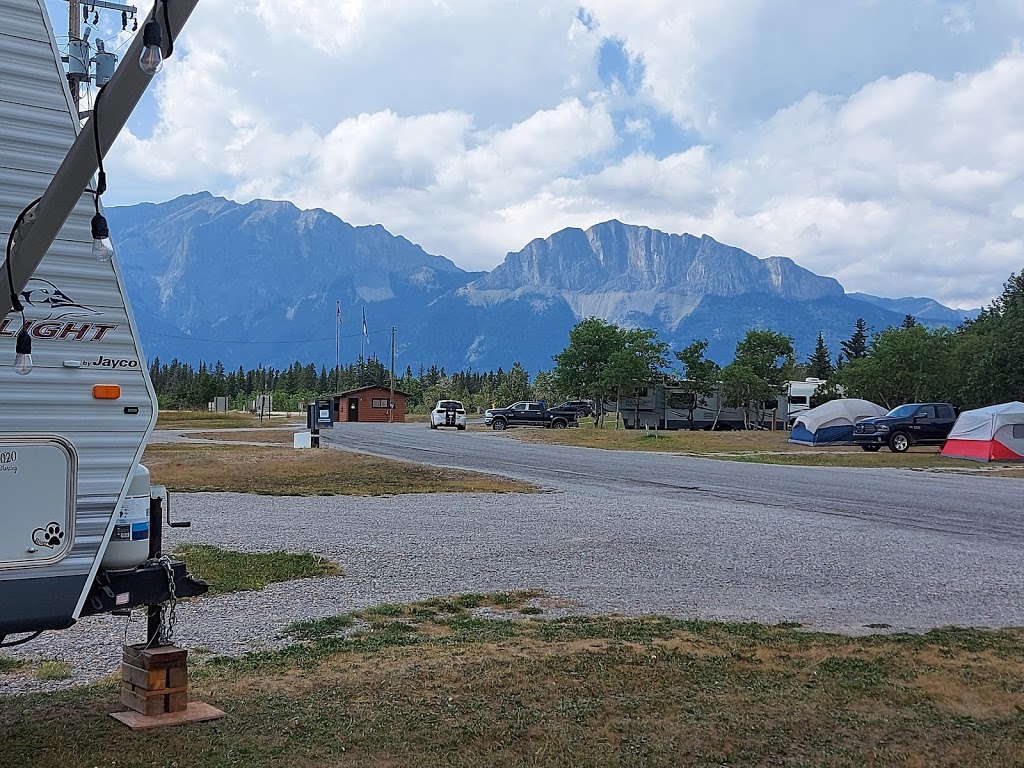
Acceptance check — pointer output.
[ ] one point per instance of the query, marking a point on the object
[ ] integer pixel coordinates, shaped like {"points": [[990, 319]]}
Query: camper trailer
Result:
{"points": [[76, 402], [798, 396], [667, 406]]}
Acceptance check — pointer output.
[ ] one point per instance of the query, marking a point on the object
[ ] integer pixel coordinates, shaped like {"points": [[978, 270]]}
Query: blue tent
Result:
{"points": [[832, 423]]}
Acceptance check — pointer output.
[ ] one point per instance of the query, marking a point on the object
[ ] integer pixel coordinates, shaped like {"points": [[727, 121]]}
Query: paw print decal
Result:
{"points": [[51, 536]]}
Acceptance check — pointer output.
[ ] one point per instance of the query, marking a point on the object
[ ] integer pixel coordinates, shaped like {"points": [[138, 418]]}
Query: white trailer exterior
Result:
{"points": [[66, 454], [666, 406]]}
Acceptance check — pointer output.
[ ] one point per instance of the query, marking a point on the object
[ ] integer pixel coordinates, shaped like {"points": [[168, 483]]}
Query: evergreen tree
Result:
{"points": [[819, 364], [909, 321], [856, 347]]}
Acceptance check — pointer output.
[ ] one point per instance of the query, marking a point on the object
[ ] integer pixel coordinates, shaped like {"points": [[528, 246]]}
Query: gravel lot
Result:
{"points": [[589, 548], [647, 533]]}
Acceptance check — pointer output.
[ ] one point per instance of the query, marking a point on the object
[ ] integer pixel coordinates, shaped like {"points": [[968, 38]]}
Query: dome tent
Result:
{"points": [[832, 423], [993, 433]]}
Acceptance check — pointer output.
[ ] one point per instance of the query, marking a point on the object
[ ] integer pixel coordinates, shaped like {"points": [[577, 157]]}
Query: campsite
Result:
{"points": [[245, 553]]}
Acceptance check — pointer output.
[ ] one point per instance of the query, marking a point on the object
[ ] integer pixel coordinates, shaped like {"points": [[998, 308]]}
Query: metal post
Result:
{"points": [[156, 544], [391, 402]]}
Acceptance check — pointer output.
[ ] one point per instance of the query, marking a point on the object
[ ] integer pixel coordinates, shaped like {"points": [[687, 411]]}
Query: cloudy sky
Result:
{"points": [[877, 141]]}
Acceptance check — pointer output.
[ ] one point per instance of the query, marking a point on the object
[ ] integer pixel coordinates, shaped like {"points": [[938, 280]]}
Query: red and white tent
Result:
{"points": [[995, 433]]}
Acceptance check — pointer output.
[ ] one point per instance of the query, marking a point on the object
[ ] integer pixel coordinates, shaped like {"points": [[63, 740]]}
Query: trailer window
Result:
{"points": [[681, 400], [798, 400]]}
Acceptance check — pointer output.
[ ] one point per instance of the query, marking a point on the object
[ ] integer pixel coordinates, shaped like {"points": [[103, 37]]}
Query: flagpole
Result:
{"points": [[337, 350]]}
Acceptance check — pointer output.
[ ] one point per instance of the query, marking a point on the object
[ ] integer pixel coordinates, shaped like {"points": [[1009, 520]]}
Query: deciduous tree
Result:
{"points": [[701, 375]]}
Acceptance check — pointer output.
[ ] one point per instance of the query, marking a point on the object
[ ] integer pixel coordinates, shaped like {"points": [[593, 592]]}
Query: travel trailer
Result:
{"points": [[667, 406], [798, 396], [76, 402]]}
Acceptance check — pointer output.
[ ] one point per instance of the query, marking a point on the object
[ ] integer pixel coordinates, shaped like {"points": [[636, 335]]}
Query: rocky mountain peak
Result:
{"points": [[616, 257]]}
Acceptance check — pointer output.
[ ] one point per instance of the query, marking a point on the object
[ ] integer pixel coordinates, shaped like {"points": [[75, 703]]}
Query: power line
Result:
{"points": [[251, 341]]}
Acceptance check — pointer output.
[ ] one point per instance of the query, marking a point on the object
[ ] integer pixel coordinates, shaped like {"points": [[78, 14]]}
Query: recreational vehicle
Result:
{"points": [[667, 406], [76, 402], [798, 396]]}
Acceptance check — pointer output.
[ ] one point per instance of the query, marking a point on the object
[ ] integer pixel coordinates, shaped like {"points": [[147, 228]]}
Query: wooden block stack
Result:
{"points": [[154, 680]]}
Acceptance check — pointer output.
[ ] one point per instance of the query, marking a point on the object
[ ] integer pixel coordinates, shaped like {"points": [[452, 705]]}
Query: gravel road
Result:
{"points": [[634, 534]]}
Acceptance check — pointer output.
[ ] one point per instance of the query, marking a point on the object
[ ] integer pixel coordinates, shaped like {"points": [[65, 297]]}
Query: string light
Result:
{"points": [[102, 247], [152, 58]]}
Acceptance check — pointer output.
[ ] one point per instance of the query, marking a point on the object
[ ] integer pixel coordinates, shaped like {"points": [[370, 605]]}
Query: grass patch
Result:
{"points": [[10, 664], [434, 681], [53, 670], [212, 420], [277, 436], [184, 467], [755, 446], [228, 571]]}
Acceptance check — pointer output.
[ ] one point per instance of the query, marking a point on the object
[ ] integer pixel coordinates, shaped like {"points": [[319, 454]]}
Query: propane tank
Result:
{"points": [[129, 542]]}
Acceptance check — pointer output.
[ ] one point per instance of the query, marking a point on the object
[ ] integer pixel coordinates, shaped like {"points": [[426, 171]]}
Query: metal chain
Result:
{"points": [[168, 611], [168, 608]]}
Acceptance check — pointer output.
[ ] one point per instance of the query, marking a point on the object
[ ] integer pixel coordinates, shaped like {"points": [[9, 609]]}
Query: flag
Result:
{"points": [[366, 334], [339, 313]]}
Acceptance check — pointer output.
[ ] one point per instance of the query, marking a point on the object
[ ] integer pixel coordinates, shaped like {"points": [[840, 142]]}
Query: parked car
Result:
{"points": [[906, 425], [448, 413], [530, 413], [583, 407]]}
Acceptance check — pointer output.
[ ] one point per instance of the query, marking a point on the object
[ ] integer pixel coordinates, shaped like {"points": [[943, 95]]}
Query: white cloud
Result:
{"points": [[875, 142]]}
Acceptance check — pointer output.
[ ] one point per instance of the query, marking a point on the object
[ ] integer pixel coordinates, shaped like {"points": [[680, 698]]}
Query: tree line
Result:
{"points": [[979, 363]]}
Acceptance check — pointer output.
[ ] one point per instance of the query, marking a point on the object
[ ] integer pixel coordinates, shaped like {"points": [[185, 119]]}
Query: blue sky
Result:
{"points": [[877, 142]]}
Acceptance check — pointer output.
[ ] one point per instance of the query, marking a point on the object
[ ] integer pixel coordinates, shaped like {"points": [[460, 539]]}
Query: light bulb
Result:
{"points": [[102, 248], [23, 354], [152, 57]]}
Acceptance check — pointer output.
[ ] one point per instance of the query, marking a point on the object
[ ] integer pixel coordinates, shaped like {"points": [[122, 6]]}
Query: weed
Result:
{"points": [[53, 670]]}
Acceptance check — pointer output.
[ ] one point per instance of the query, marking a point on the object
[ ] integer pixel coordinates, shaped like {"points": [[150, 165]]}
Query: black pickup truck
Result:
{"points": [[906, 425], [531, 413]]}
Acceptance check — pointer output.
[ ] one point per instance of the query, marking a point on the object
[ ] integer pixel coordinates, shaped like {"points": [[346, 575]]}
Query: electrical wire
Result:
{"points": [[250, 341], [23, 640], [101, 180], [170, 35], [16, 304]]}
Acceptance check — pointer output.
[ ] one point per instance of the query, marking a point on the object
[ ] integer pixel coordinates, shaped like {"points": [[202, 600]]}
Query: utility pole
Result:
{"points": [[78, 54], [78, 57], [391, 402]]}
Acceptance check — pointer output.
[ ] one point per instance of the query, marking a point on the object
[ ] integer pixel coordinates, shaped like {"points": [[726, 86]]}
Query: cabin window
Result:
{"points": [[381, 402]]}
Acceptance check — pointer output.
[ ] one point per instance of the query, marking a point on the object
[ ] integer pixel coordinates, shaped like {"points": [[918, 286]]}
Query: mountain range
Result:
{"points": [[262, 283]]}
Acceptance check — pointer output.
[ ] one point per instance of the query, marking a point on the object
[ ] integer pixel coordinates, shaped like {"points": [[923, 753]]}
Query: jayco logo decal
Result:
{"points": [[106, 362]]}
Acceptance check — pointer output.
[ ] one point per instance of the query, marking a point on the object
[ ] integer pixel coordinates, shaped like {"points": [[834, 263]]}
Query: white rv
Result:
{"points": [[798, 396], [74, 420], [667, 406]]}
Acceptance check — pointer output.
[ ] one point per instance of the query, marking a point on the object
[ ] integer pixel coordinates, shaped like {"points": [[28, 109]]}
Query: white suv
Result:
{"points": [[448, 413]]}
